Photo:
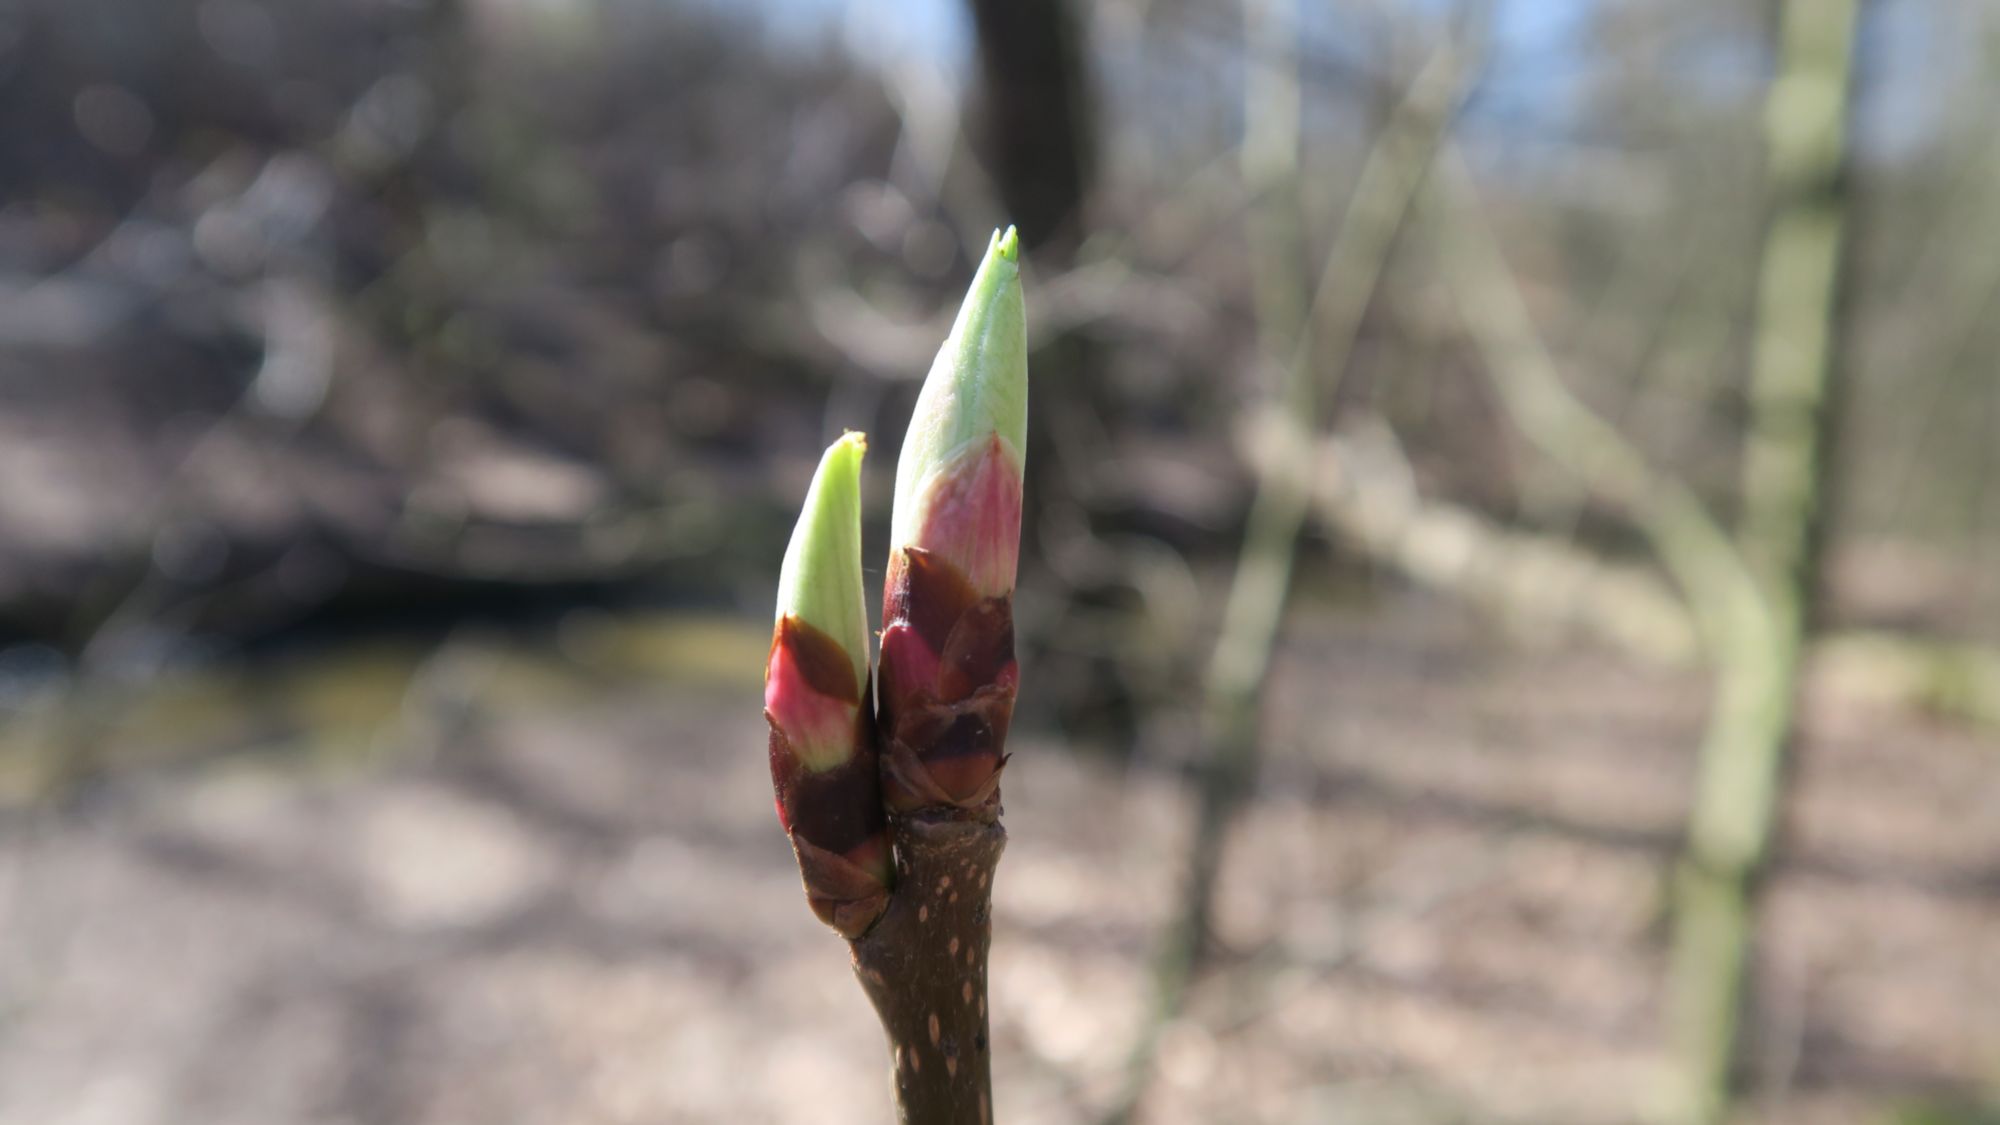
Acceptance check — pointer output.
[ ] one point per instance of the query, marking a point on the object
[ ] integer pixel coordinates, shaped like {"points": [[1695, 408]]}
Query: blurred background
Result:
{"points": [[1509, 613]]}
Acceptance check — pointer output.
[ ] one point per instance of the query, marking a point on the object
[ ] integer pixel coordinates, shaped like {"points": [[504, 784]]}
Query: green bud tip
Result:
{"points": [[977, 387], [820, 582]]}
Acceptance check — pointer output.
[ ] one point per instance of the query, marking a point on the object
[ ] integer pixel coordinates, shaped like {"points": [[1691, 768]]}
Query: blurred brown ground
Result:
{"points": [[1443, 907]]}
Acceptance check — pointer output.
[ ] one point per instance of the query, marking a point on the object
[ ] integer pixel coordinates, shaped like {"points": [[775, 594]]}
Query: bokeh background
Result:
{"points": [[1461, 433]]}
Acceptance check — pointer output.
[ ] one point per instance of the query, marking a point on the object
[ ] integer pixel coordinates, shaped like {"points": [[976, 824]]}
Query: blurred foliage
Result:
{"points": [[333, 309]]}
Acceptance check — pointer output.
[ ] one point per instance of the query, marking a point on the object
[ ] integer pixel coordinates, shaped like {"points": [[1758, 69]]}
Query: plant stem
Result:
{"points": [[923, 964], [1795, 370], [1311, 346]]}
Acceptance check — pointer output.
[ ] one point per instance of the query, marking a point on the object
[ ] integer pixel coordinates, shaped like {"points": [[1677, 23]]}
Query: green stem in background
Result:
{"points": [[1749, 595], [1795, 371], [1320, 343], [1691, 545]]}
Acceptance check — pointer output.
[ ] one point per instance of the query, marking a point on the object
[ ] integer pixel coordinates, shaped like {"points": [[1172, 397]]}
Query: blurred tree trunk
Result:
{"points": [[1032, 123], [1035, 116], [1794, 377]]}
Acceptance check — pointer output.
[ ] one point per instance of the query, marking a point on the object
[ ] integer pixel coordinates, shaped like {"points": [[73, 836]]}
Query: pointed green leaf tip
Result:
{"points": [[820, 582], [977, 386]]}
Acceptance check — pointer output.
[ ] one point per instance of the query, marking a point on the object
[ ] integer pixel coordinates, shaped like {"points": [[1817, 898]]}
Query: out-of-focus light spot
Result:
{"points": [[227, 242], [247, 218], [1188, 1055], [298, 353], [389, 121], [880, 212], [112, 119], [427, 859], [289, 196], [515, 484], [894, 32]]}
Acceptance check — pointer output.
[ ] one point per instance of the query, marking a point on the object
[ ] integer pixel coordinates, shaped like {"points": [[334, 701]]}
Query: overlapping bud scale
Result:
{"points": [[948, 675], [824, 764], [935, 737]]}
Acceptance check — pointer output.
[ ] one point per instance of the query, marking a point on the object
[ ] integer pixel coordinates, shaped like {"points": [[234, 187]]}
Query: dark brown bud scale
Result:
{"points": [[948, 680], [833, 812]]}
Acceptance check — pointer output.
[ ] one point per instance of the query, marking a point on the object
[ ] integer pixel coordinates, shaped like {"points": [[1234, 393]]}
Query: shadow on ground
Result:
{"points": [[574, 906]]}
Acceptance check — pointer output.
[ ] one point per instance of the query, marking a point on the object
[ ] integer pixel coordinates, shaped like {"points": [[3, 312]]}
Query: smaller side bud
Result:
{"points": [[824, 766]]}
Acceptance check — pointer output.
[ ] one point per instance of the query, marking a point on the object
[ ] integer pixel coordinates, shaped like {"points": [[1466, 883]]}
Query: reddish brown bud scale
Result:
{"points": [[918, 770], [829, 800], [948, 679]]}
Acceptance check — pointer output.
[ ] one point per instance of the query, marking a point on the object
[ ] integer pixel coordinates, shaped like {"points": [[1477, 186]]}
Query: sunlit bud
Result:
{"points": [[958, 481], [823, 757], [948, 675]]}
